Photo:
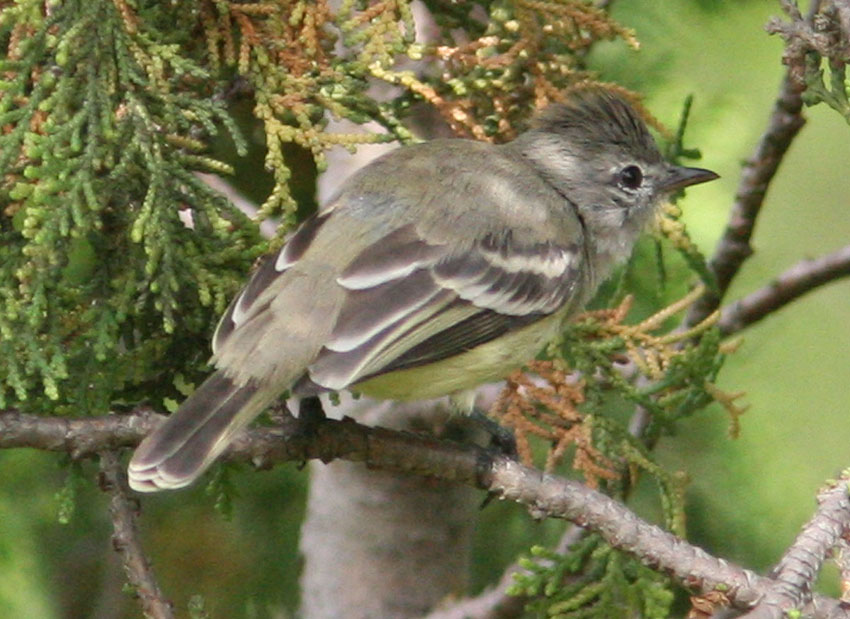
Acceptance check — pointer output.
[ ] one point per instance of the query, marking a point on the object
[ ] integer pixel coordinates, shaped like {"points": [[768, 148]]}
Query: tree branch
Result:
{"points": [[77, 437], [795, 573], [785, 122], [734, 246], [494, 602], [125, 538], [790, 285], [546, 495]]}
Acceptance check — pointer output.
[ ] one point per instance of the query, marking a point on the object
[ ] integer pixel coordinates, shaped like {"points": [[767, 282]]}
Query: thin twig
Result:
{"points": [[796, 571], [125, 538], [801, 278], [379, 448], [494, 602]]}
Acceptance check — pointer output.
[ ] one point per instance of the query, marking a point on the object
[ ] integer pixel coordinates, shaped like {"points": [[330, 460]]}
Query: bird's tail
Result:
{"points": [[180, 450]]}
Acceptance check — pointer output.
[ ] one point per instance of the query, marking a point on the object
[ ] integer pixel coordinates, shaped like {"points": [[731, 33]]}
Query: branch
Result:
{"points": [[790, 285], [495, 602], [622, 529], [546, 495], [125, 538], [734, 247], [803, 35], [796, 572], [76, 437], [824, 32]]}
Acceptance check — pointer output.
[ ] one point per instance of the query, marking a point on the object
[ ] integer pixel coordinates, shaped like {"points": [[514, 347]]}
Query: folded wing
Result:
{"points": [[410, 303]]}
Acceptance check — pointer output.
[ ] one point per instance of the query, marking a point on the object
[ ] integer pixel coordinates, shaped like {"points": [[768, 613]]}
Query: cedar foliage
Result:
{"points": [[116, 259]]}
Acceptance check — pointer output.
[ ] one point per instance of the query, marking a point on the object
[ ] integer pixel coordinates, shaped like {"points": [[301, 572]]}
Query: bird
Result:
{"points": [[436, 268]]}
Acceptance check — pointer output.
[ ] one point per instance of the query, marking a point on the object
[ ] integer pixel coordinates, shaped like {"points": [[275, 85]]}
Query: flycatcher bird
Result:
{"points": [[436, 268]]}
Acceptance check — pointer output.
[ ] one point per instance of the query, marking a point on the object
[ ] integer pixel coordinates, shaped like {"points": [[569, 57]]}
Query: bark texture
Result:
{"points": [[381, 544]]}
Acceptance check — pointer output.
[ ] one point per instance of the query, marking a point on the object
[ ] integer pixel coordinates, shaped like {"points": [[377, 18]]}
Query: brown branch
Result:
{"points": [[803, 277], [622, 529], [826, 32], [546, 495], [76, 437], [734, 246], [125, 538], [785, 122], [795, 574], [494, 602]]}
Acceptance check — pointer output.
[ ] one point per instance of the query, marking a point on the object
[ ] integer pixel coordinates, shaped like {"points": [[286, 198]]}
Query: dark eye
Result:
{"points": [[631, 177]]}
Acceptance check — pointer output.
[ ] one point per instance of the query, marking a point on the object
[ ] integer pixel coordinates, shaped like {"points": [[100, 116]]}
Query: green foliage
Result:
{"points": [[675, 151], [105, 288], [480, 76], [106, 109], [222, 490], [66, 496], [197, 607], [678, 392], [676, 384], [828, 86], [591, 580]]}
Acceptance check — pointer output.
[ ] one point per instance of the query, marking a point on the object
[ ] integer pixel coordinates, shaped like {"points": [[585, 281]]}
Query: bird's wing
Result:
{"points": [[410, 303], [258, 294]]}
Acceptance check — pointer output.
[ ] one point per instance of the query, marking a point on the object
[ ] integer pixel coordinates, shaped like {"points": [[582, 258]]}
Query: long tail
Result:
{"points": [[180, 450]]}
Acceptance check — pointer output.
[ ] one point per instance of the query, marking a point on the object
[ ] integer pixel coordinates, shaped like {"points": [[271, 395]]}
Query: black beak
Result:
{"points": [[679, 177]]}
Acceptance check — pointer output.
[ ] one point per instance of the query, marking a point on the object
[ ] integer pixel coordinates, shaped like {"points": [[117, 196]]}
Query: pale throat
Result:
{"points": [[611, 239]]}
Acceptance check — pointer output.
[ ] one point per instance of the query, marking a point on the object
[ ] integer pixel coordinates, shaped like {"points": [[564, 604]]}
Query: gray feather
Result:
{"points": [[186, 443], [461, 337], [398, 254], [511, 278], [300, 241], [338, 369], [446, 306], [367, 312], [270, 268]]}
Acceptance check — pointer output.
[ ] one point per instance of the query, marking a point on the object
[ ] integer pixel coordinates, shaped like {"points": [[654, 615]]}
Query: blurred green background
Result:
{"points": [[747, 497]]}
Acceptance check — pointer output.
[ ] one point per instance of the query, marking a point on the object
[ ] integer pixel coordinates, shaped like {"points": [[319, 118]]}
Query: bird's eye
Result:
{"points": [[631, 177]]}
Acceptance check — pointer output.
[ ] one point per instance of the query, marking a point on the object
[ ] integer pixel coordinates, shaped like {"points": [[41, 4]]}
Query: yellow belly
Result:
{"points": [[483, 364]]}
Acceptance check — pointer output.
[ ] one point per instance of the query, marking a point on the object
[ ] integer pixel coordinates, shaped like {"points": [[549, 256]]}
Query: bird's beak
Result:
{"points": [[679, 177]]}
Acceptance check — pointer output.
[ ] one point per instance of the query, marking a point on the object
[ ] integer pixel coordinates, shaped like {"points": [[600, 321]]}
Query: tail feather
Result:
{"points": [[180, 450]]}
